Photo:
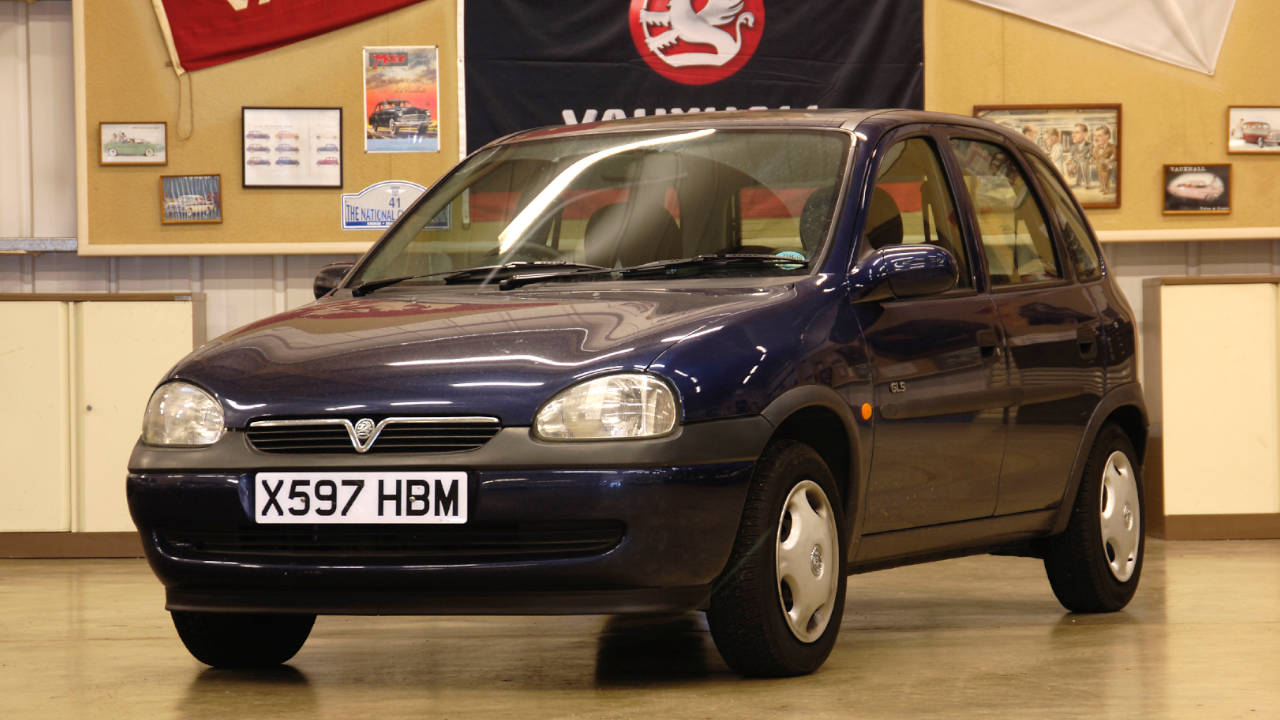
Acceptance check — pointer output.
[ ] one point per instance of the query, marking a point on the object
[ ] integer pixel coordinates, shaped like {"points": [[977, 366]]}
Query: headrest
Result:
{"points": [[884, 221]]}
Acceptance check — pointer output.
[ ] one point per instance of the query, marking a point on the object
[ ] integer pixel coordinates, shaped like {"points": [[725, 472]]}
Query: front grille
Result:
{"points": [[392, 435], [375, 545]]}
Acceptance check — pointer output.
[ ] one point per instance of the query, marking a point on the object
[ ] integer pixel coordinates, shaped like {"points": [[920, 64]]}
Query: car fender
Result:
{"points": [[1127, 395], [822, 396]]}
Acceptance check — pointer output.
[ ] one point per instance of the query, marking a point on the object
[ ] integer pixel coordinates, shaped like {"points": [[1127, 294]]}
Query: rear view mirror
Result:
{"points": [[330, 277], [904, 271]]}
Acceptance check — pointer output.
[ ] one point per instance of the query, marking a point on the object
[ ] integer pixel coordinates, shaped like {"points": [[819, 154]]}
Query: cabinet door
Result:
{"points": [[122, 350], [35, 421]]}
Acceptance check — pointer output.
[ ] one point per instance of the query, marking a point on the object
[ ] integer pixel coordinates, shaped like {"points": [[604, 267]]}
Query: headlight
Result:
{"points": [[631, 405], [182, 414]]}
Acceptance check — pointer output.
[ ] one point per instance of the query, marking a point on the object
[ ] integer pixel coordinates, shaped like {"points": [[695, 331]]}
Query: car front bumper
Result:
{"points": [[608, 527]]}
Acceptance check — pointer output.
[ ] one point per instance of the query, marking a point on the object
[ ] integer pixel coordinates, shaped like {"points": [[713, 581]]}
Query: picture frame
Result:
{"points": [[1083, 141], [291, 147], [133, 143], [190, 199], [1197, 189], [1253, 130]]}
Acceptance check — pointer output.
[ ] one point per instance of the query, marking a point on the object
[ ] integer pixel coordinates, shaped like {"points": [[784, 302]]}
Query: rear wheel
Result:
{"points": [[1095, 565], [231, 640], [776, 609]]}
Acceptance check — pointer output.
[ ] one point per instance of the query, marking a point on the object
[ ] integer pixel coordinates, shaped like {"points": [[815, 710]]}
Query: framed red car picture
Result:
{"points": [[1197, 189], [1253, 129]]}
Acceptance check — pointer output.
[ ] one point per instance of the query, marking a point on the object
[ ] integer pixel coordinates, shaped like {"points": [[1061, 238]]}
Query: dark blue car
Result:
{"points": [[713, 362]]}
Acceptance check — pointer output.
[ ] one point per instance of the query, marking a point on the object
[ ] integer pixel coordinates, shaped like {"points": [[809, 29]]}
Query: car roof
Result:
{"points": [[870, 122]]}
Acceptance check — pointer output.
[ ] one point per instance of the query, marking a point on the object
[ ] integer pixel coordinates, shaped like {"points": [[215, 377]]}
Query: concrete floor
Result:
{"points": [[973, 637]]}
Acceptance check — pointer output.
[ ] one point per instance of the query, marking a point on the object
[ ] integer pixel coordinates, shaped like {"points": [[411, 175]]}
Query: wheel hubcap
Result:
{"points": [[806, 582], [1120, 515]]}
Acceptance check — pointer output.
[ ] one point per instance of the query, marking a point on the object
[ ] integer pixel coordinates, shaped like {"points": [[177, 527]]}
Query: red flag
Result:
{"points": [[203, 33]]}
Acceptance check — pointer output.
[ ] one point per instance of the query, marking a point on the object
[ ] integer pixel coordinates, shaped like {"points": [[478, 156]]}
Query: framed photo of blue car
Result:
{"points": [[128, 143], [291, 147], [186, 199]]}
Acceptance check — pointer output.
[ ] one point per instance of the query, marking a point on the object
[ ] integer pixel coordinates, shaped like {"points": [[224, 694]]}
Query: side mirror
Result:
{"points": [[904, 271], [330, 276]]}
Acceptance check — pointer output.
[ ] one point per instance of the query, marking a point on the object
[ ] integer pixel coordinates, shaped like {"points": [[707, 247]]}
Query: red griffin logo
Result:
{"points": [[696, 47]]}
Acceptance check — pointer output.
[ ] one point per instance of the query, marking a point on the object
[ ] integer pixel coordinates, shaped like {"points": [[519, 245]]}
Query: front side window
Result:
{"points": [[619, 200], [911, 204], [1015, 236]]}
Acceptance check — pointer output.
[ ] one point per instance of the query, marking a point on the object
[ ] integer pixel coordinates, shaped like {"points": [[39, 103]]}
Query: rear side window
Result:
{"points": [[912, 204], [1015, 235], [1080, 249]]}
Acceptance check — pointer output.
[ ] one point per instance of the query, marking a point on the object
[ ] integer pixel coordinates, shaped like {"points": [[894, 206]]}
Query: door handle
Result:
{"points": [[988, 342], [1087, 339]]}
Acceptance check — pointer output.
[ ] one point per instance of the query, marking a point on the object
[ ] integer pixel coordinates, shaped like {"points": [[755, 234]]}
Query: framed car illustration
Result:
{"points": [[1197, 189], [291, 147], [1253, 129], [190, 199], [121, 143]]}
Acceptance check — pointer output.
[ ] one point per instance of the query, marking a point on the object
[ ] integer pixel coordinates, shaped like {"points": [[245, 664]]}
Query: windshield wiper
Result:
{"points": [[483, 271], [662, 267]]}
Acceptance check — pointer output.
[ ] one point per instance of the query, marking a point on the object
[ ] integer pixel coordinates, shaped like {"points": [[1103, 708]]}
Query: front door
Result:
{"points": [[938, 362]]}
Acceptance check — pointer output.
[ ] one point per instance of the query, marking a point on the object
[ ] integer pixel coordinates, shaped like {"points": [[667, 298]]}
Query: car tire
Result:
{"points": [[111, 152], [1261, 142], [149, 152], [241, 640], [1094, 566], [776, 609]]}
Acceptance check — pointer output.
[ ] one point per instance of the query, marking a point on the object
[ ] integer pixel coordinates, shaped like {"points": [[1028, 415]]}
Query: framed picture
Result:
{"points": [[121, 143], [1083, 141], [1253, 129], [401, 99], [1197, 189], [291, 147], [190, 199]]}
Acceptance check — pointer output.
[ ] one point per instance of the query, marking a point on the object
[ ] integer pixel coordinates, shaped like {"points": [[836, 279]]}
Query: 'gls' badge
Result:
{"points": [[898, 386]]}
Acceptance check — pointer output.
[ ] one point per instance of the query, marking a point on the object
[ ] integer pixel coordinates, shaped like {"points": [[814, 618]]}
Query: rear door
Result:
{"points": [[1051, 324]]}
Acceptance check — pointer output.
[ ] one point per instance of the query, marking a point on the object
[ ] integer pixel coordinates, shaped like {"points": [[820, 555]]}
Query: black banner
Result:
{"points": [[532, 62]]}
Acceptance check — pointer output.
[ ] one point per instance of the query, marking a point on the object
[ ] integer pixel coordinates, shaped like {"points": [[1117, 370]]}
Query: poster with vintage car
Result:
{"points": [[1197, 189], [190, 199], [291, 147], [1253, 129], [123, 143], [401, 99], [1083, 141]]}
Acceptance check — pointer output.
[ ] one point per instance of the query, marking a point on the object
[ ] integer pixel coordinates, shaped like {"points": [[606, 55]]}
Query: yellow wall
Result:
{"points": [[973, 56], [126, 77], [978, 56]]}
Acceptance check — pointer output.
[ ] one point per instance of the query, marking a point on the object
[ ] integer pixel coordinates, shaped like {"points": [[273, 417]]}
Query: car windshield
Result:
{"points": [[621, 200]]}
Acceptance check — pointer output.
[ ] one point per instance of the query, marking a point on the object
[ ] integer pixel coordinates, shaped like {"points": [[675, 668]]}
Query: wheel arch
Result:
{"points": [[1124, 406], [820, 418]]}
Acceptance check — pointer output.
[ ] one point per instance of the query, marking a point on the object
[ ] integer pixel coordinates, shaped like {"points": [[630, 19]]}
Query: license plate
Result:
{"points": [[360, 497]]}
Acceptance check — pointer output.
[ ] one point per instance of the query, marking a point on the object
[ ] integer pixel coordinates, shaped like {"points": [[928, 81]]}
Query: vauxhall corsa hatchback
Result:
{"points": [[715, 362]]}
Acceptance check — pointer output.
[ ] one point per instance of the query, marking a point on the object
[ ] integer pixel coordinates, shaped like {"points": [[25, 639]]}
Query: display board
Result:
{"points": [[124, 76]]}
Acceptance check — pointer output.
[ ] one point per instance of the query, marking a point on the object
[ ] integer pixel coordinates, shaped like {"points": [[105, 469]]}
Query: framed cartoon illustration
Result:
{"points": [[190, 199], [1197, 189], [1083, 141]]}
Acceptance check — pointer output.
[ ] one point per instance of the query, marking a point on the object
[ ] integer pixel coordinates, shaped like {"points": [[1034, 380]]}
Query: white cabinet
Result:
{"points": [[77, 372]]}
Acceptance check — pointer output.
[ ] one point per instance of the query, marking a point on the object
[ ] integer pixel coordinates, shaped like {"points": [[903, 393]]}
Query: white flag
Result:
{"points": [[1188, 33]]}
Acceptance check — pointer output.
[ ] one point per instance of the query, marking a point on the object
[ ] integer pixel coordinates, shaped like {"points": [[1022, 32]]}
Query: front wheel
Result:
{"points": [[776, 609], [1095, 564], [240, 640]]}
